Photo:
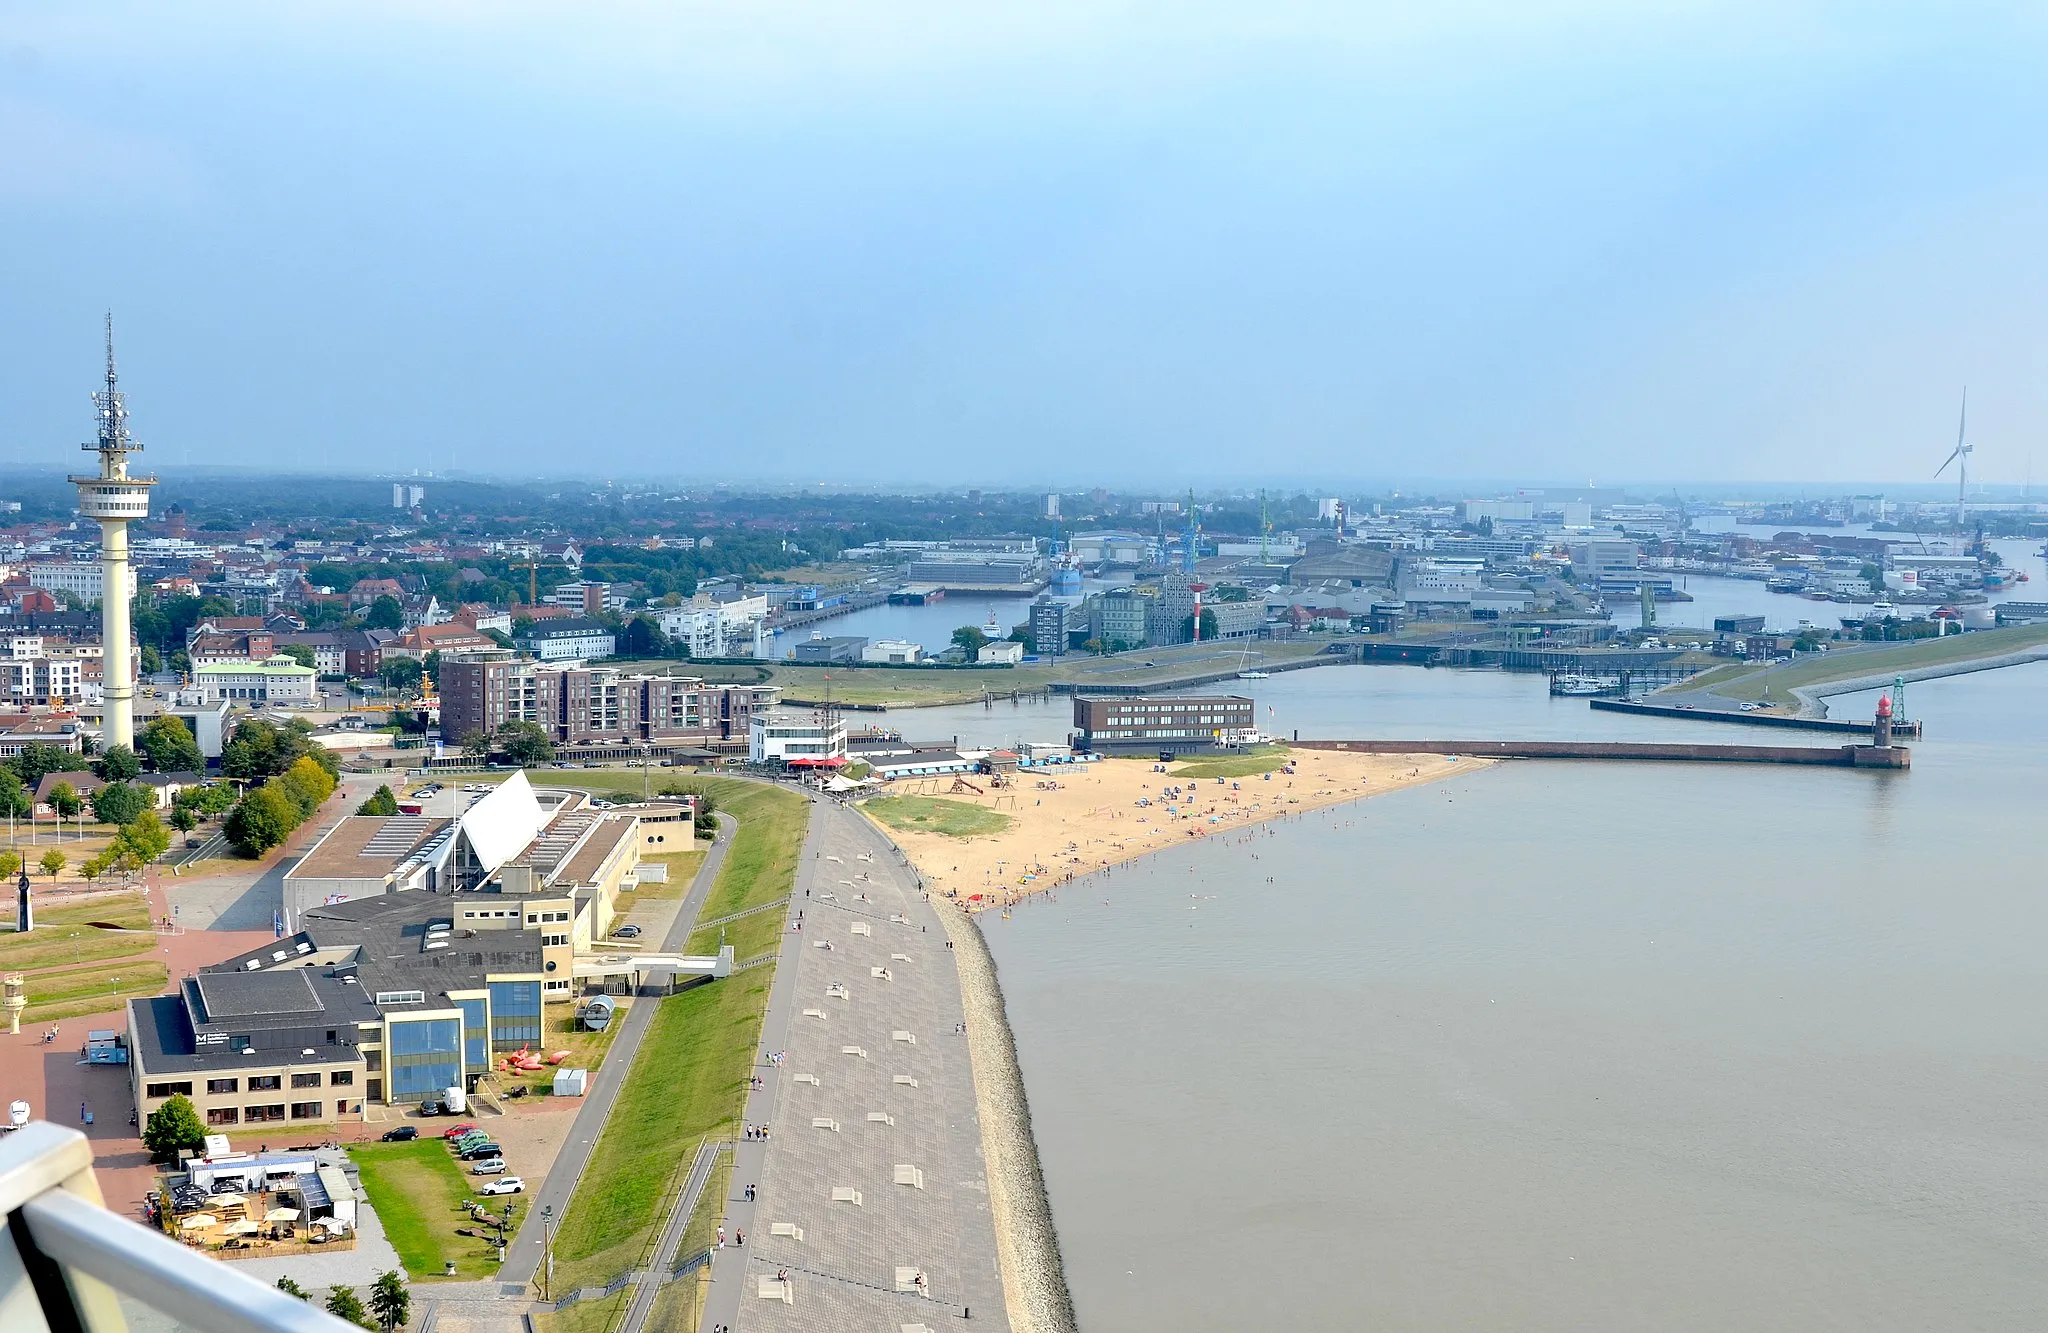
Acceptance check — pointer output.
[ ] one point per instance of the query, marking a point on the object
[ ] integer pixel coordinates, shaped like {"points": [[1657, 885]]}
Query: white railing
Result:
{"points": [[66, 1263]]}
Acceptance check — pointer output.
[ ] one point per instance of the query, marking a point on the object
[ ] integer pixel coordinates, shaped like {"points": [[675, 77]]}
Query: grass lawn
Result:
{"points": [[1878, 659], [91, 989], [417, 1189], [681, 1303], [592, 1316], [931, 814], [688, 1084], [64, 936], [689, 1081], [1251, 762], [682, 868]]}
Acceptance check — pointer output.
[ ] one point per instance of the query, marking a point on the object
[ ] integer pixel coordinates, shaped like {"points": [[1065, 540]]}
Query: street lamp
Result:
{"points": [[547, 1252]]}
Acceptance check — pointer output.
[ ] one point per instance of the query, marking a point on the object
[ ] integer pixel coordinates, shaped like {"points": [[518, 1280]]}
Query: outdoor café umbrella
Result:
{"points": [[241, 1228], [223, 1200], [282, 1215], [199, 1220]]}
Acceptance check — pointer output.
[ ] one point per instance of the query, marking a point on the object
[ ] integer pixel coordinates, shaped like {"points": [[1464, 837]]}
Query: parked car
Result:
{"points": [[457, 1131], [505, 1185], [431, 1106], [403, 1134], [627, 932], [473, 1139], [488, 1166], [484, 1152]]}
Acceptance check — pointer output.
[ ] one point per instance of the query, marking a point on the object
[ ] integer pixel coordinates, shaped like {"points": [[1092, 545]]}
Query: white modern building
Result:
{"points": [[281, 680], [1003, 652], [570, 640], [717, 629], [797, 737], [893, 652], [78, 580]]}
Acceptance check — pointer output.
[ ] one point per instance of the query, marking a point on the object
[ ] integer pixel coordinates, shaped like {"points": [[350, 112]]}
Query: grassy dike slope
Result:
{"points": [[688, 1082]]}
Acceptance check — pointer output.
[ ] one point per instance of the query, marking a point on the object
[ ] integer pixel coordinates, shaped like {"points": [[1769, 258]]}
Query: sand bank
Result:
{"points": [[1091, 819]]}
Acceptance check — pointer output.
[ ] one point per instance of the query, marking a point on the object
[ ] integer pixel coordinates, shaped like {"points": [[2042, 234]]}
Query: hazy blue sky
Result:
{"points": [[1049, 241]]}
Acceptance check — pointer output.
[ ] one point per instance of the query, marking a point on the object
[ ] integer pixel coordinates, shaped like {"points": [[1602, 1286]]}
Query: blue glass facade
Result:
{"points": [[515, 1014], [422, 1056], [476, 1035]]}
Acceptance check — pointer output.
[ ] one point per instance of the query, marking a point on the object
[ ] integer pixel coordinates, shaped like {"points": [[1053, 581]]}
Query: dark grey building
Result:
{"points": [[831, 648], [1048, 627]]}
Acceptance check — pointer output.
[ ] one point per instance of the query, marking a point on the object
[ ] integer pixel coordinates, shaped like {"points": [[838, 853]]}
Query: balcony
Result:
{"points": [[67, 1263]]}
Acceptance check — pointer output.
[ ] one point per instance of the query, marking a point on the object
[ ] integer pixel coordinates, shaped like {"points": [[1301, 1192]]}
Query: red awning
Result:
{"points": [[817, 763]]}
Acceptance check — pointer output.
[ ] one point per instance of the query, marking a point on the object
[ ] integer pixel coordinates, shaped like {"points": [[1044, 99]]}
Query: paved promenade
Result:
{"points": [[873, 1173]]}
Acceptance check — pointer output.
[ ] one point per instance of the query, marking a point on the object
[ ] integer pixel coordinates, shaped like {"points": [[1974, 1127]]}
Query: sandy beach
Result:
{"points": [[1074, 821]]}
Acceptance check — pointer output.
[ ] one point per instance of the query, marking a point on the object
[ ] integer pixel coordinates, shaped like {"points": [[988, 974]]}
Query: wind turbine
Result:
{"points": [[1961, 457]]}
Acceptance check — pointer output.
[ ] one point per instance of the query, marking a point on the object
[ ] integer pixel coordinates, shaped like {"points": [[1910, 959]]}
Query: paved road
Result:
{"points": [[842, 1273], [522, 1257]]}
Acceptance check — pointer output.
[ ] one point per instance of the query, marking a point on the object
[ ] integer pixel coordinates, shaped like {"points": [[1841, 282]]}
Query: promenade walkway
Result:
{"points": [[522, 1257], [871, 1207]]}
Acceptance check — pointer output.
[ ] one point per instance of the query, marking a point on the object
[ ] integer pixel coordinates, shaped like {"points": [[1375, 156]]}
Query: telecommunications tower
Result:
{"points": [[113, 499]]}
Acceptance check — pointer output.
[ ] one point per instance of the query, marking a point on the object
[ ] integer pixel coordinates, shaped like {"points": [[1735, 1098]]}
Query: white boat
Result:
{"points": [[1254, 675], [1576, 685]]}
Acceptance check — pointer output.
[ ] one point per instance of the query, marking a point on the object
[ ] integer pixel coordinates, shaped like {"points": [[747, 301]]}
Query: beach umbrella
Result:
{"points": [[282, 1215], [223, 1200], [198, 1220], [241, 1228]]}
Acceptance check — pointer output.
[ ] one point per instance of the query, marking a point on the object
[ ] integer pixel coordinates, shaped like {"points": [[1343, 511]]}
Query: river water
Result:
{"points": [[1559, 1046]]}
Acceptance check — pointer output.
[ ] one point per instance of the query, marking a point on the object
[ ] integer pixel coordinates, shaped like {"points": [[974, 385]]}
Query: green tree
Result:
{"points": [[476, 747], [152, 660], [119, 764], [525, 743], [385, 613], [970, 638], [119, 803], [431, 665], [381, 802], [15, 798], [64, 799], [302, 653], [401, 673], [10, 861], [52, 863], [291, 1288], [172, 1128], [642, 638], [341, 1301], [1187, 626], [261, 749], [145, 836], [36, 760], [263, 819], [307, 784], [182, 818], [168, 743], [390, 1302]]}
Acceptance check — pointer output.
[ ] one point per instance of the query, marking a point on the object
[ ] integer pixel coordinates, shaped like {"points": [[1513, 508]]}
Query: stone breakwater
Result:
{"points": [[1034, 1282]]}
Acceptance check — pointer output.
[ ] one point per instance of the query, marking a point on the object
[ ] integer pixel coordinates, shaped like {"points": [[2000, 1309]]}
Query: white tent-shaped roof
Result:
{"points": [[500, 825]]}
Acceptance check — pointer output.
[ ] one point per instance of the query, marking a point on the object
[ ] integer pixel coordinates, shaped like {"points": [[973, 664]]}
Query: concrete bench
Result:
{"points": [[846, 1194], [904, 1081], [815, 1013], [862, 928], [900, 1035], [907, 1174], [772, 1288], [881, 1118], [789, 1230], [853, 1050], [824, 1122]]}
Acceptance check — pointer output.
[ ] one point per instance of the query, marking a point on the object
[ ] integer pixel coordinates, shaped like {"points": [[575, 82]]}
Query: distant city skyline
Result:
{"points": [[1742, 245]]}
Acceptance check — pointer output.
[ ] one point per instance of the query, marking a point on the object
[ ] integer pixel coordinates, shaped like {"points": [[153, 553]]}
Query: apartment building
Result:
{"points": [[593, 705]]}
